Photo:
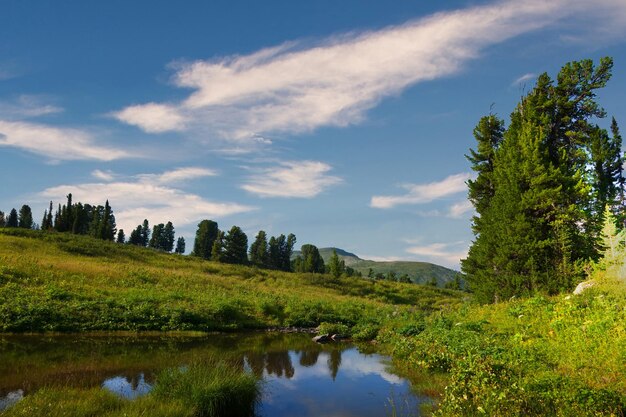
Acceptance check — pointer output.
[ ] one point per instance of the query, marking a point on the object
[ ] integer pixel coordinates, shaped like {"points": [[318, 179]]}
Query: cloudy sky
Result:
{"points": [[345, 123]]}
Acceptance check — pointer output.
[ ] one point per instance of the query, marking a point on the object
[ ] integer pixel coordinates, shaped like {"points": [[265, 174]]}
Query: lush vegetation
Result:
{"points": [[206, 388]]}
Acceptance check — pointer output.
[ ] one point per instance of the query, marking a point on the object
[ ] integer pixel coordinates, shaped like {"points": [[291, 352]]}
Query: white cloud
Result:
{"points": [[424, 193], [457, 210], [448, 254], [152, 117], [107, 175], [27, 106], [178, 175], [137, 199], [296, 88], [292, 179], [56, 143], [522, 79]]}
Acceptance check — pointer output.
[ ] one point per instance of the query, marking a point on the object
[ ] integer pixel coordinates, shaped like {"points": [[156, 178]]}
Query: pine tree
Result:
{"points": [[49, 224], [107, 227], [286, 251], [235, 247], [217, 249], [273, 255], [180, 246], [309, 260], [121, 238], [168, 237], [259, 250], [334, 265], [12, 220], [205, 237], [541, 186], [156, 241], [145, 233], [136, 236], [2, 219], [25, 217]]}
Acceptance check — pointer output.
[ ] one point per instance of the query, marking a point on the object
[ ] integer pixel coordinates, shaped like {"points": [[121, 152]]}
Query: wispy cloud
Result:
{"points": [[107, 175], [424, 193], [458, 210], [292, 179], [178, 175], [522, 79], [448, 254], [296, 87], [27, 106], [147, 197], [57, 143]]}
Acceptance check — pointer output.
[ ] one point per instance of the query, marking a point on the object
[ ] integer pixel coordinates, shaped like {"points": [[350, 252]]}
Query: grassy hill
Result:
{"points": [[63, 282], [419, 272]]}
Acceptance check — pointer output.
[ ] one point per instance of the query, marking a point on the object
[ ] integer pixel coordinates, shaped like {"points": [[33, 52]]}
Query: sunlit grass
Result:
{"points": [[60, 282]]}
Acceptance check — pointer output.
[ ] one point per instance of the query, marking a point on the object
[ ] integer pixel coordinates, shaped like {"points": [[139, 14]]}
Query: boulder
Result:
{"points": [[323, 338], [580, 288]]}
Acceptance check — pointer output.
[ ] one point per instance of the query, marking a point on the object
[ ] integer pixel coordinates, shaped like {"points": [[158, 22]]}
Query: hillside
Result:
{"points": [[61, 282], [419, 272]]}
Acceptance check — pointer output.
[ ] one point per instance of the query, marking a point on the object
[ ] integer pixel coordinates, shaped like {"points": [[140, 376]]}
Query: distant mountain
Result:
{"points": [[419, 272]]}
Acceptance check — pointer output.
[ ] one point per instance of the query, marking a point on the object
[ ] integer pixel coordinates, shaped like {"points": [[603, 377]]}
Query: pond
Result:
{"points": [[302, 378]]}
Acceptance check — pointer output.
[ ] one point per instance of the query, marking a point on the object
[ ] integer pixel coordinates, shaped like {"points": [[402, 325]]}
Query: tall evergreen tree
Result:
{"points": [[309, 260], [180, 246], [2, 219], [12, 220], [121, 238], [259, 250], [217, 249], [235, 247], [136, 236], [205, 237], [25, 217], [335, 266], [168, 237], [541, 186], [157, 239], [49, 223], [286, 251], [145, 233]]}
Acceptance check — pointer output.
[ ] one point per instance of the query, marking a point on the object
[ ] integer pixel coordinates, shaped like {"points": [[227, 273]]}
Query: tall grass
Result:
{"points": [[209, 388]]}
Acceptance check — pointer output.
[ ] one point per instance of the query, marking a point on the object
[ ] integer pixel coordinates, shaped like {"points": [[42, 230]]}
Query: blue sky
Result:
{"points": [[345, 123]]}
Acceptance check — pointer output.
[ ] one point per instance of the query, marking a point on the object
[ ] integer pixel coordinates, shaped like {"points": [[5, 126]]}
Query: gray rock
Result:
{"points": [[580, 288], [323, 338]]}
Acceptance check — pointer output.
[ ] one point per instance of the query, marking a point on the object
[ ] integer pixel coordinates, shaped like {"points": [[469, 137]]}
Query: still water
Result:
{"points": [[302, 378]]}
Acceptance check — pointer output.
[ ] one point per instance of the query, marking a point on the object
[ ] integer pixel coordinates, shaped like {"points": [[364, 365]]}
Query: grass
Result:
{"points": [[209, 388], [64, 283], [555, 356]]}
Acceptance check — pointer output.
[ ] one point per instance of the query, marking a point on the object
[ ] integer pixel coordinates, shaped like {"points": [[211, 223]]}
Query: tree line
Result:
{"points": [[96, 221], [542, 186]]}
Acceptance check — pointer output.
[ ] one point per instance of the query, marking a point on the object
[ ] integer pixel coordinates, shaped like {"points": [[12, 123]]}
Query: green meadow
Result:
{"points": [[561, 355]]}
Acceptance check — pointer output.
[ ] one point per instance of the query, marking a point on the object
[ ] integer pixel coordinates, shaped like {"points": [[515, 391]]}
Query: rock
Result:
{"points": [[580, 288], [323, 338], [338, 337]]}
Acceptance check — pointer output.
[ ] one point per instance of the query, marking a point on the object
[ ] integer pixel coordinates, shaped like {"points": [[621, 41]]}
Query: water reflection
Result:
{"points": [[302, 378], [10, 399], [126, 388]]}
